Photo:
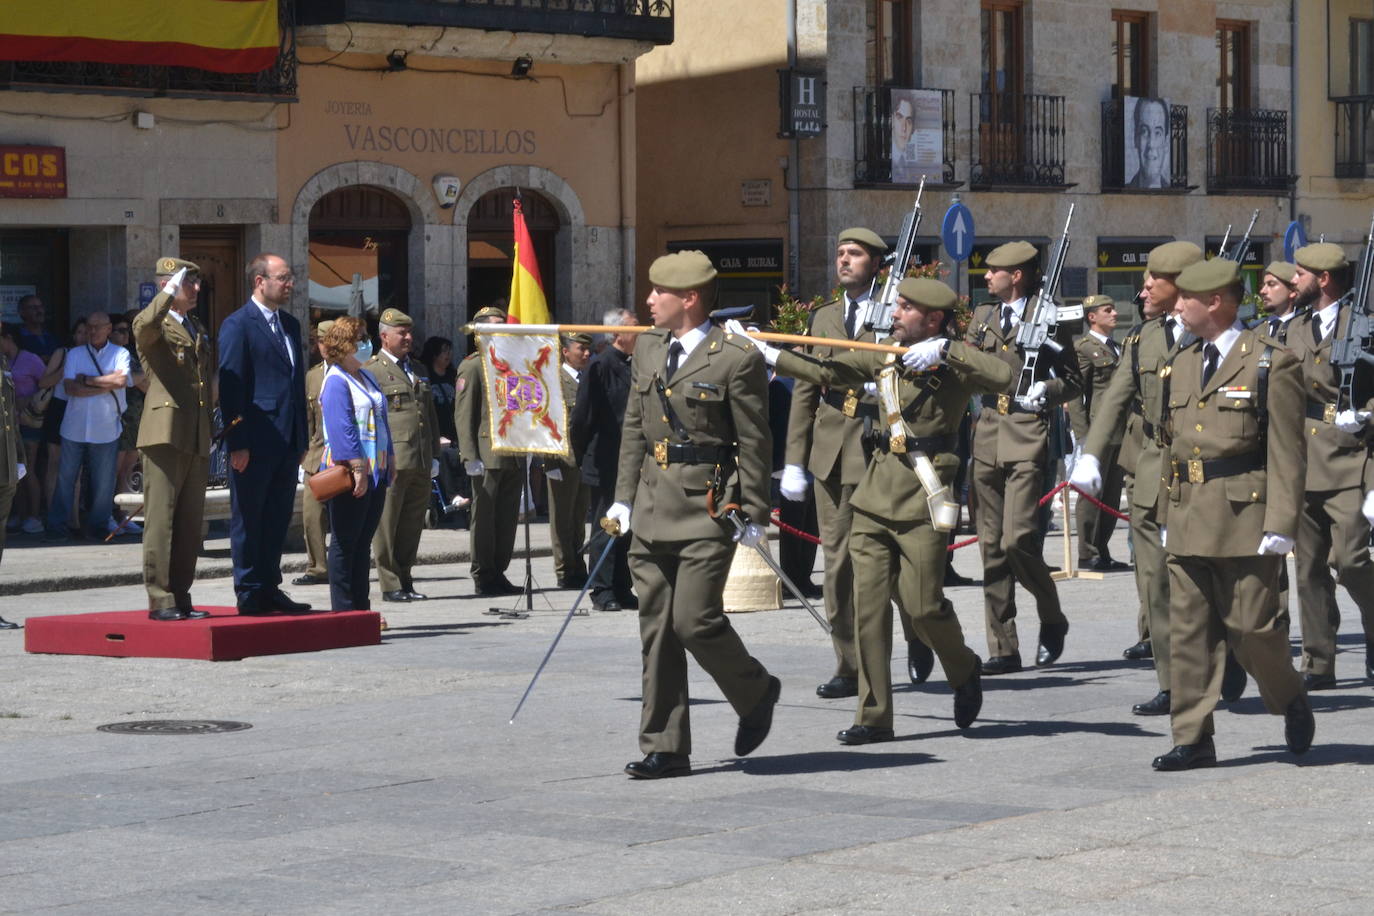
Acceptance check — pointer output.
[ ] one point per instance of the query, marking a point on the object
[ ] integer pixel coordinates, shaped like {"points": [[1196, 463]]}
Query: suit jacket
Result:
{"points": [[1226, 516], [1096, 364], [409, 412], [10, 449], [176, 410], [598, 415], [314, 419], [1130, 402], [260, 384], [720, 394], [1335, 460], [472, 417]]}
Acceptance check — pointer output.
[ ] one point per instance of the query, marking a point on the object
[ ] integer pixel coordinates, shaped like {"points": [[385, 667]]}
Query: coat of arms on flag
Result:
{"points": [[527, 412]]}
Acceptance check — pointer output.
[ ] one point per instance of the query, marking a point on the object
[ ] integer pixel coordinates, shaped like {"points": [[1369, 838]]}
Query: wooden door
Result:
{"points": [[219, 252]]}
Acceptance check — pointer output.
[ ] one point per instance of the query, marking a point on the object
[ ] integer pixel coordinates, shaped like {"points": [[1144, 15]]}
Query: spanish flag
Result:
{"points": [[527, 302], [226, 36]]}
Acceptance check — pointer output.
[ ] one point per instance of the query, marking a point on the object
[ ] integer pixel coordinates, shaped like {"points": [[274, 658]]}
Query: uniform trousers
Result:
{"points": [[568, 501], [397, 541], [315, 525], [612, 579], [352, 522], [262, 499], [7, 492], [173, 513], [1152, 584], [1332, 532], [681, 585], [1095, 527], [494, 515]]}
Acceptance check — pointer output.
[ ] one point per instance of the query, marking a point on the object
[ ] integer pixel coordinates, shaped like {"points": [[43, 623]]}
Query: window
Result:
{"points": [[1130, 53], [1233, 74], [1362, 56], [1003, 60], [895, 58]]}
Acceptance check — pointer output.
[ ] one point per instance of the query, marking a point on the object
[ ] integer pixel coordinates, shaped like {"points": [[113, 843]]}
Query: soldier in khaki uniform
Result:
{"points": [[415, 438], [696, 422], [1280, 297], [893, 541], [1332, 532], [12, 470], [1010, 441], [174, 437], [496, 479], [569, 497], [314, 520], [1099, 356], [1233, 427]]}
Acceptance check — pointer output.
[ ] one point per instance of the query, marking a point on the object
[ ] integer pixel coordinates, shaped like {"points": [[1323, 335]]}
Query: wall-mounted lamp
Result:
{"points": [[396, 60], [521, 68]]}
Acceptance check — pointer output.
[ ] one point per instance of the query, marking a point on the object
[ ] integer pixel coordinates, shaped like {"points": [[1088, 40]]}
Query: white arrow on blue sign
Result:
{"points": [[1293, 238], [957, 232]]}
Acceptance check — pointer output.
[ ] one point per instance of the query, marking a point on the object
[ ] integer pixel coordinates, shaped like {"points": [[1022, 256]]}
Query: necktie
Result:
{"points": [[1006, 320], [1210, 355], [1111, 345], [674, 354], [275, 326], [1274, 327], [190, 326], [1169, 333], [851, 319], [1316, 328]]}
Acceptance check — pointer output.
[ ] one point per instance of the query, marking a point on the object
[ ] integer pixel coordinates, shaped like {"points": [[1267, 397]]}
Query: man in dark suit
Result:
{"points": [[262, 400]]}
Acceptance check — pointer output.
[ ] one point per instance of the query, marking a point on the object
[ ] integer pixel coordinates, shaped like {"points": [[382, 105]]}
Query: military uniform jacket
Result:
{"points": [[1335, 460], [820, 435], [409, 413], [890, 488], [720, 395], [314, 420], [569, 402], [999, 438], [472, 418], [1227, 515], [176, 411], [1131, 402], [1097, 363], [10, 448]]}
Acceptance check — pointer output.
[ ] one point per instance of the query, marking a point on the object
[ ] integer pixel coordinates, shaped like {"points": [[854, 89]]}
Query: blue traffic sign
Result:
{"points": [[957, 232], [146, 293], [1293, 238]]}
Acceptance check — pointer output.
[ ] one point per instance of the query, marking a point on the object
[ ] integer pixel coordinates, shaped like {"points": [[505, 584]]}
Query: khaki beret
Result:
{"points": [[932, 294], [490, 311], [323, 327], [396, 318], [865, 237], [1282, 270], [1096, 302], [682, 270], [1321, 256], [166, 266], [1208, 276], [1172, 257], [568, 339], [1012, 255]]}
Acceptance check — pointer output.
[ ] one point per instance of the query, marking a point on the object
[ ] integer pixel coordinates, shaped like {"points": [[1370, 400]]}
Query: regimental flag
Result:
{"points": [[226, 36], [524, 393], [527, 302]]}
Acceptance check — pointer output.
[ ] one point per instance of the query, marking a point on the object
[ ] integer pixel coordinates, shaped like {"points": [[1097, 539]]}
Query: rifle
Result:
{"points": [[1039, 330], [1353, 348], [879, 315], [1242, 248]]}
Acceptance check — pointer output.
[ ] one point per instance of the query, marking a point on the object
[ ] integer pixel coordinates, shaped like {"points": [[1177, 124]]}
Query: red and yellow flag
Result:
{"points": [[527, 302], [226, 36]]}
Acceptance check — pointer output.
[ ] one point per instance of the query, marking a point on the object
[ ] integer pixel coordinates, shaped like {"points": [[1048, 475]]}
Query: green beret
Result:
{"points": [[1172, 257], [931, 294], [1096, 302], [166, 266], [1321, 256], [323, 327], [396, 318], [682, 270], [865, 237], [490, 311], [1012, 255], [569, 339], [1208, 276], [1282, 271]]}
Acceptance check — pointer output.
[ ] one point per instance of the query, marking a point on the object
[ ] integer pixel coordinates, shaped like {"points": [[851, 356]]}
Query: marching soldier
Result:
{"points": [[696, 431], [569, 497], [415, 437], [1233, 423], [12, 470], [174, 437], [1280, 299], [314, 521], [1010, 442]]}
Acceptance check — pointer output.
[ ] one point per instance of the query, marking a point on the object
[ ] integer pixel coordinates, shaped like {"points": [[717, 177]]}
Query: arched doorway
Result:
{"points": [[359, 240], [491, 243]]}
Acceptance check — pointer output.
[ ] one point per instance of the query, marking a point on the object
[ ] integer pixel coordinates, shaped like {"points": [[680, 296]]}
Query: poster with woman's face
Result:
{"points": [[1147, 143]]}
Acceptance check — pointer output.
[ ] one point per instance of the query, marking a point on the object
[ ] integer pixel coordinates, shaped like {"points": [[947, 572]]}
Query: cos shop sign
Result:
{"points": [[33, 171]]}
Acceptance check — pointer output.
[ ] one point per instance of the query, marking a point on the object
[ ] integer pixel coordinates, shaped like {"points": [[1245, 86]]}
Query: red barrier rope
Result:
{"points": [[1101, 505]]}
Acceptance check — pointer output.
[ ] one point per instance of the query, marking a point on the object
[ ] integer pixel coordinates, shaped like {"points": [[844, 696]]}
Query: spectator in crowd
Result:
{"points": [[34, 335], [28, 372], [314, 521], [57, 409], [120, 335], [11, 452], [437, 356], [568, 494]]}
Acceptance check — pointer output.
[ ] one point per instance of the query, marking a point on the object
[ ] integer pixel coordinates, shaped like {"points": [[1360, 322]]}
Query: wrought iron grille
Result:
{"points": [[1355, 138], [1116, 135], [1247, 150], [873, 138], [641, 20], [1018, 139]]}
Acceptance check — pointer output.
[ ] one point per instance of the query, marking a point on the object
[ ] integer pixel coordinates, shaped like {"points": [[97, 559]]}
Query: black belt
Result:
{"points": [[1198, 470], [931, 445], [666, 453], [1006, 403], [850, 405], [1319, 411]]}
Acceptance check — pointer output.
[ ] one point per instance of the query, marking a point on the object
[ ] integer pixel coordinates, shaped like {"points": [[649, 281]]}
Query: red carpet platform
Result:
{"points": [[224, 636]]}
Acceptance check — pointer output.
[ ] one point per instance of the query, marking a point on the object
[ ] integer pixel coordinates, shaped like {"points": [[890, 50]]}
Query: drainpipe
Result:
{"points": [[1293, 105], [794, 195], [625, 126]]}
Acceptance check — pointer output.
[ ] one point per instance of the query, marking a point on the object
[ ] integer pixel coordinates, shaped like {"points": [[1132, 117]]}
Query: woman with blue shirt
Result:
{"points": [[355, 434]]}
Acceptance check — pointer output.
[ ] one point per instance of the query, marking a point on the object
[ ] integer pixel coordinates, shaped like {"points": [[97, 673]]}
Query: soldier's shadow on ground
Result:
{"points": [[1325, 701], [423, 631], [829, 762], [992, 728], [1321, 755]]}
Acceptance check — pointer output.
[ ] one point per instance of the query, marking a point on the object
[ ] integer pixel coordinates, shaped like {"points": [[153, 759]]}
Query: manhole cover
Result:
{"points": [[173, 727]]}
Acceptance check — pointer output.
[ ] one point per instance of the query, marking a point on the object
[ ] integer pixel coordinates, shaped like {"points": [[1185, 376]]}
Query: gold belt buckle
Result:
{"points": [[1195, 474], [851, 404], [897, 444], [661, 453], [1329, 413], [1004, 403]]}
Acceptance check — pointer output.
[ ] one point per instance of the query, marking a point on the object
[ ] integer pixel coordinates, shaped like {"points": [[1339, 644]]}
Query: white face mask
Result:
{"points": [[364, 350]]}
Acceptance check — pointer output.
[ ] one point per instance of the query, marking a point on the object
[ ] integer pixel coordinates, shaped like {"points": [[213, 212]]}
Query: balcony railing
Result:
{"points": [[876, 162], [640, 20], [1018, 140], [1119, 144], [1355, 138], [1247, 150]]}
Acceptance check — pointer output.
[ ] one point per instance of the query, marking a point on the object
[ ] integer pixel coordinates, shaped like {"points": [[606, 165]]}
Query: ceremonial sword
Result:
{"points": [[741, 521]]}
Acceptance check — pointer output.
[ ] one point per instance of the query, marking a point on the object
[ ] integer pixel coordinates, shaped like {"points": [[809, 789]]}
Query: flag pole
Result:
{"points": [[804, 340]]}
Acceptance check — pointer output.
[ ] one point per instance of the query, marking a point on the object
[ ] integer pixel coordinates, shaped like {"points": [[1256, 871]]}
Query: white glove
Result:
{"points": [[474, 468], [1368, 507], [871, 389], [620, 513], [21, 471], [1034, 398], [1351, 421], [925, 355], [1164, 537], [553, 473], [300, 475], [1087, 474], [770, 354], [433, 468], [794, 483], [1275, 545], [174, 282], [750, 535]]}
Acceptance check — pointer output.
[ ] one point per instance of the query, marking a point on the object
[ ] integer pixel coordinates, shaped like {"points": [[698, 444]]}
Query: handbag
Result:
{"points": [[331, 482]]}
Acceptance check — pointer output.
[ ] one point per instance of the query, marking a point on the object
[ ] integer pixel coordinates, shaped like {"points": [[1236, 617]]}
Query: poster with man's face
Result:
{"points": [[917, 134], [1147, 143]]}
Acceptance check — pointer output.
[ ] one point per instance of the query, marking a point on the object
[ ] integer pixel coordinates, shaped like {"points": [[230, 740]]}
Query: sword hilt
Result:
{"points": [[611, 527]]}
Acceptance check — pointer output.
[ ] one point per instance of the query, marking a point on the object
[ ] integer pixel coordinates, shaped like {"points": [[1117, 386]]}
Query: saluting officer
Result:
{"points": [[569, 497], [314, 521], [1233, 422], [174, 437], [1280, 297], [696, 424]]}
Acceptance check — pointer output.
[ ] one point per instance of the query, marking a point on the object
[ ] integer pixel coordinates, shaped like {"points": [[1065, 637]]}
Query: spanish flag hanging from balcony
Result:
{"points": [[527, 302], [226, 36]]}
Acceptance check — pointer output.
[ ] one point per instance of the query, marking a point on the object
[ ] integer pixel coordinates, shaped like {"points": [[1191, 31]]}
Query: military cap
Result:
{"points": [[865, 237], [396, 318], [1011, 255], [682, 270], [166, 266], [1172, 257], [931, 294], [1282, 271], [490, 311], [584, 339], [323, 327], [1208, 276], [1096, 302], [1321, 256]]}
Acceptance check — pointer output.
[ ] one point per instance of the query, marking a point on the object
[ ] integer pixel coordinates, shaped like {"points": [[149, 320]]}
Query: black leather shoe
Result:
{"points": [[920, 660], [6, 625], [572, 582], [838, 687], [250, 605], [1002, 664], [280, 601], [610, 605], [1369, 660], [193, 614], [413, 595], [1139, 652], [1051, 644], [659, 765], [167, 613], [1159, 706], [755, 724], [1298, 724], [1319, 681], [1105, 564], [496, 588], [968, 697], [628, 601], [863, 734], [310, 579], [810, 589], [1232, 679], [1187, 757], [399, 594]]}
